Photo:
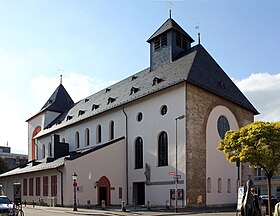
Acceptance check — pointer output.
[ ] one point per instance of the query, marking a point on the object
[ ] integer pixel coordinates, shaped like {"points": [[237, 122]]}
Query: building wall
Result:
{"points": [[108, 162], [200, 103], [157, 191], [216, 164], [7, 185]]}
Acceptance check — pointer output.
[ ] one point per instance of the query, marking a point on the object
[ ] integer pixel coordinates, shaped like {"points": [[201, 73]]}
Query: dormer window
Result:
{"points": [[86, 100], [94, 107], [133, 77], [133, 90], [111, 100], [69, 117], [157, 80], [81, 112], [107, 90]]}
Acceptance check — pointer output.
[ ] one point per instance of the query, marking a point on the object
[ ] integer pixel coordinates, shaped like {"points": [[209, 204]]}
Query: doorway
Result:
{"points": [[139, 193], [104, 191]]}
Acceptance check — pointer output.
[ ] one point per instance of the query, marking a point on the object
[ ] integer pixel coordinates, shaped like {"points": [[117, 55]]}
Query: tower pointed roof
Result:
{"points": [[59, 101], [169, 24]]}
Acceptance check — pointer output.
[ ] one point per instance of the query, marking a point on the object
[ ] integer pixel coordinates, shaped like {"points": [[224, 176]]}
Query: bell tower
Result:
{"points": [[167, 44]]}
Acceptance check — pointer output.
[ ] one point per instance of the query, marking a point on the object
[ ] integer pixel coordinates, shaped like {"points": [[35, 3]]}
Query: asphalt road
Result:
{"points": [[48, 211]]}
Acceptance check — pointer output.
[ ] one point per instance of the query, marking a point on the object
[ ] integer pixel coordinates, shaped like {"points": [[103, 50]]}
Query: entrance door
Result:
{"points": [[104, 190], [139, 193], [103, 194]]}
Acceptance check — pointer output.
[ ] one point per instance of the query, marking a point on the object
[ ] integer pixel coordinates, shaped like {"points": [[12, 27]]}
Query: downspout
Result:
{"points": [[61, 186], [126, 154]]}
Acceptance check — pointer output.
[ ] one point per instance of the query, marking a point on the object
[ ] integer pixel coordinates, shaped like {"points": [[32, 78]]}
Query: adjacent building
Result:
{"points": [[127, 142]]}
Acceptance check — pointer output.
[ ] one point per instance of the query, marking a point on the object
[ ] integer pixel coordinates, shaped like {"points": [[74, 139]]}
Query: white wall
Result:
{"points": [[109, 162], [149, 129], [216, 164]]}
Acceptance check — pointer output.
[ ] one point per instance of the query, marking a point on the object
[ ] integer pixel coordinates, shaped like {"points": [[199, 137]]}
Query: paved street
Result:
{"points": [[49, 211]]}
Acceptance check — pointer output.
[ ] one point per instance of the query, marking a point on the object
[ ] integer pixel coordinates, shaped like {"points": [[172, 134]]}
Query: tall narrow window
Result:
{"points": [[219, 185], [54, 185], [208, 185], [45, 186], [163, 149], [31, 186], [38, 186], [98, 134], [24, 187], [87, 141], [229, 185], [77, 139], [112, 130], [43, 151], [139, 153]]}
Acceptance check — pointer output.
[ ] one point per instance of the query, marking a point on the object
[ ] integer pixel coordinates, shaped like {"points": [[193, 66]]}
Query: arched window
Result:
{"points": [[98, 134], [87, 141], [139, 153], [50, 149], [208, 185], [43, 151], [163, 149], [219, 185], [229, 185], [112, 130], [77, 139]]}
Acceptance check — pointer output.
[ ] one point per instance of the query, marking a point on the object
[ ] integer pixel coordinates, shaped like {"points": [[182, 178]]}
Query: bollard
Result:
{"points": [[33, 204], [149, 205], [103, 206], [167, 204], [123, 206]]}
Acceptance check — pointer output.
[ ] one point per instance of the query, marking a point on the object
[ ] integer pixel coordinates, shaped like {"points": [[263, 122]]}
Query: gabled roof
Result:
{"points": [[196, 66], [170, 24]]}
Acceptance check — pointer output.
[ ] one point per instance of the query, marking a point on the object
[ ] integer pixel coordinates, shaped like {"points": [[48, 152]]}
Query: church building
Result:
{"points": [[140, 139]]}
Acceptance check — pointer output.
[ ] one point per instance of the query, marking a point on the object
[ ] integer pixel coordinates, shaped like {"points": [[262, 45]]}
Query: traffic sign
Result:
{"points": [[177, 177]]}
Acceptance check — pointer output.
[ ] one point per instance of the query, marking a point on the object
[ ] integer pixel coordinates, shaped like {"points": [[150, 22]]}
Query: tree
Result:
{"points": [[257, 144], [3, 166]]}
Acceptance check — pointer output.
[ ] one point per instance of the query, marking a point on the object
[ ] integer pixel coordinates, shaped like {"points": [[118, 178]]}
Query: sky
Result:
{"points": [[94, 44]]}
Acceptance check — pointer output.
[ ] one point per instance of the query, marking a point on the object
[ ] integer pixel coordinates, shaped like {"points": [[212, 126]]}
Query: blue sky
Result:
{"points": [[96, 43]]}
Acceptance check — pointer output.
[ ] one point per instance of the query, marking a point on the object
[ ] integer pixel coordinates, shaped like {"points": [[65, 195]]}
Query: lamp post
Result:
{"points": [[176, 167], [74, 176]]}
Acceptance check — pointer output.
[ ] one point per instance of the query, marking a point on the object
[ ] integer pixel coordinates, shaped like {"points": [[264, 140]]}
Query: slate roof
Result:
{"points": [[39, 165], [59, 101], [170, 24], [196, 66], [34, 166]]}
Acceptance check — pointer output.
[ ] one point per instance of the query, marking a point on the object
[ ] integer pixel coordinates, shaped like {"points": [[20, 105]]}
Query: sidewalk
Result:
{"points": [[133, 211]]}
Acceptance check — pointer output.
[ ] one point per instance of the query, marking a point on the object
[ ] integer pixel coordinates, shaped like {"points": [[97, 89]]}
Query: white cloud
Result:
{"points": [[263, 91]]}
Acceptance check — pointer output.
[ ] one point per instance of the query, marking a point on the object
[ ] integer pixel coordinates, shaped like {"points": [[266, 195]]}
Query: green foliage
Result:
{"points": [[3, 166], [257, 144]]}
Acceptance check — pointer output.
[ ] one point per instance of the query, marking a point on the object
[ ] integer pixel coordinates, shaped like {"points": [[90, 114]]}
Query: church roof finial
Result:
{"points": [[60, 79], [170, 13]]}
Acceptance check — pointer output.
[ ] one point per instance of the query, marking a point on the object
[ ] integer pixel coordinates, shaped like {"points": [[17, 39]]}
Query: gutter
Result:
{"points": [[126, 154]]}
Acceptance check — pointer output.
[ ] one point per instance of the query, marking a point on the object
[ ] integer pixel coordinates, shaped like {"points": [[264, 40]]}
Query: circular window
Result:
{"points": [[163, 110], [223, 126], [139, 117]]}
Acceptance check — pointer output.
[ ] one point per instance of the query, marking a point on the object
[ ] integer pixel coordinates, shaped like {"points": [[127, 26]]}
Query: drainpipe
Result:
{"points": [[61, 186], [126, 154]]}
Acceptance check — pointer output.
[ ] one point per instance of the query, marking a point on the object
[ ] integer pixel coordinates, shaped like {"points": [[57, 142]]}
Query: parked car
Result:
{"points": [[264, 201], [5, 205]]}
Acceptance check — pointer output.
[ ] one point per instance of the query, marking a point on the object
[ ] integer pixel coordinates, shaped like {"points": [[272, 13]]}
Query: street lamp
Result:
{"points": [[176, 168], [74, 176]]}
